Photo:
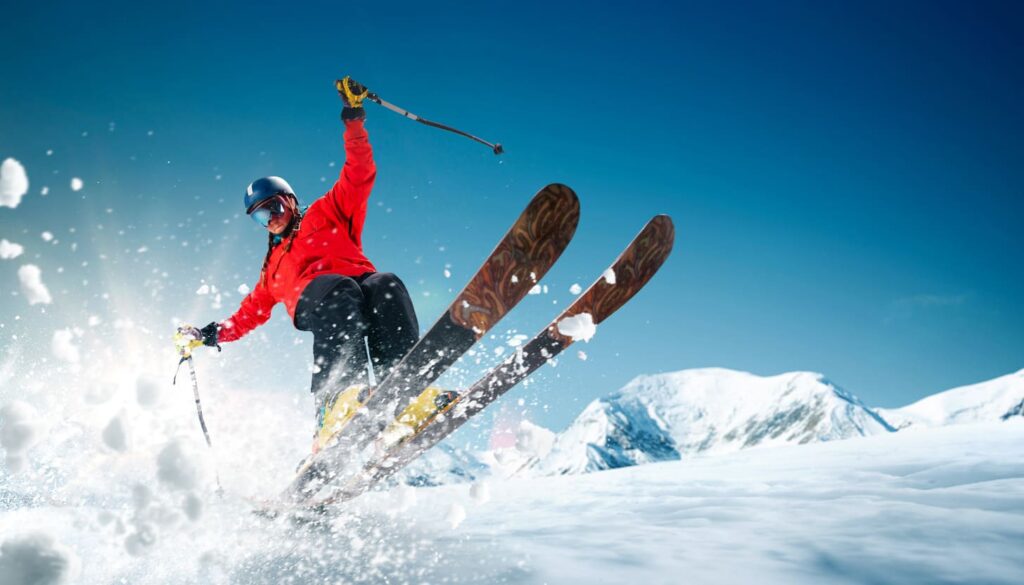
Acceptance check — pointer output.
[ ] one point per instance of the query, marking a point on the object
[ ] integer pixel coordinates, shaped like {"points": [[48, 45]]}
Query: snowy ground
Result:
{"points": [[940, 505]]}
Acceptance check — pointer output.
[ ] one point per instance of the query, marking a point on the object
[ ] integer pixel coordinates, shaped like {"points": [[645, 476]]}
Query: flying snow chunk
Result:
{"points": [[609, 276], [36, 559], [192, 506], [10, 250], [47, 236], [142, 497], [533, 440], [147, 391], [44, 191], [76, 184], [480, 492], [535, 289], [143, 538], [32, 285], [13, 183], [203, 290], [576, 288], [579, 327], [114, 435], [63, 346], [19, 430], [176, 466], [582, 355], [517, 340], [456, 515], [243, 289], [98, 393]]}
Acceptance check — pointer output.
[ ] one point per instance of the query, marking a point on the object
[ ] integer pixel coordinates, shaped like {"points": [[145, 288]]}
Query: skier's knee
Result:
{"points": [[386, 280]]}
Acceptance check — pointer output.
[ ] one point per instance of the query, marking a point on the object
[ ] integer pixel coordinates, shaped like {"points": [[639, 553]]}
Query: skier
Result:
{"points": [[315, 265]]}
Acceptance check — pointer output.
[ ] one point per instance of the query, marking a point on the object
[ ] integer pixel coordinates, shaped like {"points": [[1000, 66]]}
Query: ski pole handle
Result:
{"points": [[187, 338]]}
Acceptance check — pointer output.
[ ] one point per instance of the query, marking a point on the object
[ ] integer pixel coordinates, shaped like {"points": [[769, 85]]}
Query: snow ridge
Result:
{"points": [[712, 410], [618, 431], [997, 399]]}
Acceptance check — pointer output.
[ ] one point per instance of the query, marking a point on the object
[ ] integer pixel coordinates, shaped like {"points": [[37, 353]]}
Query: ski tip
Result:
{"points": [[557, 207], [663, 230], [664, 221], [564, 193], [499, 149]]}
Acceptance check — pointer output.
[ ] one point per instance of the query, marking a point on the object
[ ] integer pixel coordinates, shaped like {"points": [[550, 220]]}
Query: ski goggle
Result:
{"points": [[264, 213]]}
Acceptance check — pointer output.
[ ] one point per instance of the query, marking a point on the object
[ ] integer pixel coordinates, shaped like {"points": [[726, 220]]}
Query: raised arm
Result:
{"points": [[352, 189]]}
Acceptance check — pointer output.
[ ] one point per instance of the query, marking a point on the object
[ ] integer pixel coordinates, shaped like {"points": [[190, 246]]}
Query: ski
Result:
{"points": [[521, 258], [628, 274]]}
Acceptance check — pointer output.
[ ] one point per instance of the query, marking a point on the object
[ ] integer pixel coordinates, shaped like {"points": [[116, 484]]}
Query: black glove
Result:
{"points": [[352, 95], [210, 335]]}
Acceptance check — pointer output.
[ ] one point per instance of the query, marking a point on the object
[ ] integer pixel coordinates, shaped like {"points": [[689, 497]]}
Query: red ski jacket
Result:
{"points": [[329, 240]]}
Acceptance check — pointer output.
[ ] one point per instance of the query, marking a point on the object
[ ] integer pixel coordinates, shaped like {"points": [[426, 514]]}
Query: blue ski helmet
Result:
{"points": [[262, 189]]}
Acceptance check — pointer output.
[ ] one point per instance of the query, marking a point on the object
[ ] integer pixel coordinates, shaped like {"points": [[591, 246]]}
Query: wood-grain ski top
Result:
{"points": [[632, 269], [522, 257]]}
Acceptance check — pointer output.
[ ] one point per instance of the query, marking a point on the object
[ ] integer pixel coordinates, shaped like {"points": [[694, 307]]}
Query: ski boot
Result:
{"points": [[420, 412], [337, 412]]}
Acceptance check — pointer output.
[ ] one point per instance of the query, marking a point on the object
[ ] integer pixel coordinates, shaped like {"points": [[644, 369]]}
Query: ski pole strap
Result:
{"points": [[174, 381], [496, 147]]}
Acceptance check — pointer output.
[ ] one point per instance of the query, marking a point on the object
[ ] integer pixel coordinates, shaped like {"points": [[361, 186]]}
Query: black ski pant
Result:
{"points": [[340, 311]]}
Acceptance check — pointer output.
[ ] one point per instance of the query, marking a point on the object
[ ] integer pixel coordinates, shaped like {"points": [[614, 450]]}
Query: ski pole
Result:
{"points": [[496, 147], [195, 394], [185, 346], [369, 362]]}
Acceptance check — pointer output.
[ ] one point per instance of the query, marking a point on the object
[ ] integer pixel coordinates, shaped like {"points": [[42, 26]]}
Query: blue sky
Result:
{"points": [[845, 178]]}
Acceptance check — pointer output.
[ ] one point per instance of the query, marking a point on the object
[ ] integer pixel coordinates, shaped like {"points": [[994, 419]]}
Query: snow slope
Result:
{"points": [[91, 505], [942, 505], [712, 410], [997, 399], [939, 505]]}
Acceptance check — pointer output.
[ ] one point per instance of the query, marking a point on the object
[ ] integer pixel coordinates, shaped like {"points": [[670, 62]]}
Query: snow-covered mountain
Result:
{"points": [[712, 410], [709, 411], [997, 399]]}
